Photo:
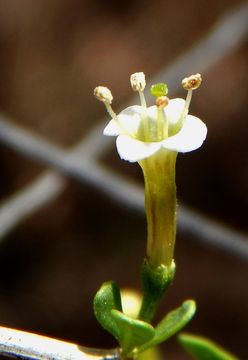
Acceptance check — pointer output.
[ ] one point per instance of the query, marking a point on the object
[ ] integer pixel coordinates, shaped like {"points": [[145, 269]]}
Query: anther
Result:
{"points": [[138, 81], [103, 94], [192, 82], [161, 102]]}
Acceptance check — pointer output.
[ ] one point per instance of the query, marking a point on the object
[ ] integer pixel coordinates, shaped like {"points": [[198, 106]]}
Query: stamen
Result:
{"points": [[102, 93], [111, 111], [192, 82], [162, 102], [187, 102], [145, 120], [162, 125], [138, 81], [115, 118], [142, 99], [189, 83], [162, 121], [185, 110]]}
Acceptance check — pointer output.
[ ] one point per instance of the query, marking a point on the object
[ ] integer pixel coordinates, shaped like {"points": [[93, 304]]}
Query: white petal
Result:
{"points": [[130, 119], [131, 110], [128, 122], [152, 113], [174, 109], [189, 138], [134, 150], [112, 129]]}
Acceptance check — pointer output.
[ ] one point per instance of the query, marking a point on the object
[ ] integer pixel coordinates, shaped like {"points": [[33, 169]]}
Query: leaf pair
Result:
{"points": [[130, 333], [136, 336]]}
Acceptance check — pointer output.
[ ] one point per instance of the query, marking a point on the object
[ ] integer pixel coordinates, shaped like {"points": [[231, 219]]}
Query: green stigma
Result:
{"points": [[160, 89]]}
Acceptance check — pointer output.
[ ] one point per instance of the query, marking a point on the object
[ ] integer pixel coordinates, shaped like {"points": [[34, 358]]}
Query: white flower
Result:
{"points": [[184, 132], [153, 136]]}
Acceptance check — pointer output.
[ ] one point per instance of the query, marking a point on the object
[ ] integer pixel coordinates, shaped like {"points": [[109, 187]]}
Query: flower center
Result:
{"points": [[153, 129], [155, 123]]}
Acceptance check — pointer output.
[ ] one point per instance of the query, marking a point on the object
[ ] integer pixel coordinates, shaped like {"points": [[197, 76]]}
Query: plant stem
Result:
{"points": [[160, 203]]}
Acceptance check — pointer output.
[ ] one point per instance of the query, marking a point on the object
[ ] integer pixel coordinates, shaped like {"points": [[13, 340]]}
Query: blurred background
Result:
{"points": [[52, 56]]}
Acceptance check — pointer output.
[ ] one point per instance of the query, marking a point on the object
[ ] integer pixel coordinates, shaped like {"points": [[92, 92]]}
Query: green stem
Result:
{"points": [[160, 203], [155, 282], [150, 354]]}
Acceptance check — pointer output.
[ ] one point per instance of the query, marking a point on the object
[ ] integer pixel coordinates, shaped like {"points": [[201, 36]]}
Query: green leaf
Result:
{"points": [[202, 348], [106, 299], [132, 332], [159, 89], [171, 324]]}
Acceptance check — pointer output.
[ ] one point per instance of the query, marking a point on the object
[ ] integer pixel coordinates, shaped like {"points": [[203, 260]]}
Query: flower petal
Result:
{"points": [[130, 119], [112, 129], [152, 113], [189, 138], [128, 122], [174, 110], [135, 150]]}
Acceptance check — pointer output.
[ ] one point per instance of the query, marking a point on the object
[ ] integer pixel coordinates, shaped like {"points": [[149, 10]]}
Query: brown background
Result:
{"points": [[52, 55]]}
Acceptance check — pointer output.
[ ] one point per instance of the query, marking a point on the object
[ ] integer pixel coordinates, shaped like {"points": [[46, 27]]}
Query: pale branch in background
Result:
{"points": [[87, 170], [222, 39], [29, 199], [25, 345]]}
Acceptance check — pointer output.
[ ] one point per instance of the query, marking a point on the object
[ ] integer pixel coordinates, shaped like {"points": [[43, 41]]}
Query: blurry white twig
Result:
{"points": [[207, 230], [21, 344], [29, 199], [77, 163], [81, 163]]}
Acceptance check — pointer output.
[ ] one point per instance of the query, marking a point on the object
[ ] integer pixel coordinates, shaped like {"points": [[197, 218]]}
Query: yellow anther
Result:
{"points": [[161, 102], [192, 82]]}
